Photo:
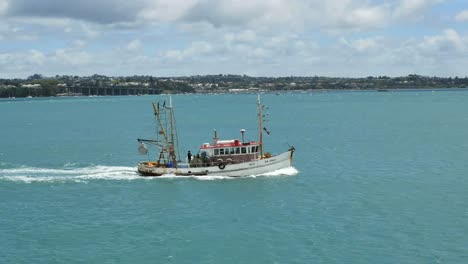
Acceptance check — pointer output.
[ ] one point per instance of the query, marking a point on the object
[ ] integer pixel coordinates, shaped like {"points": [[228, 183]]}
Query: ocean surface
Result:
{"points": [[378, 177]]}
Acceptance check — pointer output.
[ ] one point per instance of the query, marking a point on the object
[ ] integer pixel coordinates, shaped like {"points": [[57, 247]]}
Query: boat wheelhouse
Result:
{"points": [[231, 151]]}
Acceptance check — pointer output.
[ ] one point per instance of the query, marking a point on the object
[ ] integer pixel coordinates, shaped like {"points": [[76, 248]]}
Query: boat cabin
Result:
{"points": [[234, 149], [230, 151]]}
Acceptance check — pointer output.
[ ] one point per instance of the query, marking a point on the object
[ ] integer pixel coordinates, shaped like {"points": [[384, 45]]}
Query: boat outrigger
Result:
{"points": [[234, 157]]}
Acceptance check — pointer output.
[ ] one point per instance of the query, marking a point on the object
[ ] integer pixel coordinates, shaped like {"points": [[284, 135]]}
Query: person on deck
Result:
{"points": [[189, 156], [196, 162]]}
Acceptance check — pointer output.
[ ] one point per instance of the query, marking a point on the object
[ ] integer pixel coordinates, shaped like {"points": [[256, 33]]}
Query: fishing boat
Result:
{"points": [[222, 157]]}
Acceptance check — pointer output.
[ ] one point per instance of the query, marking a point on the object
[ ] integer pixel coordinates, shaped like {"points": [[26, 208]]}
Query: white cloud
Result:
{"points": [[457, 41], [165, 10], [367, 16], [363, 44], [277, 41], [3, 6], [79, 44], [260, 53], [88, 30], [65, 24], [37, 57], [244, 36], [413, 8], [26, 62], [292, 15], [289, 54], [236, 13], [448, 42], [265, 37], [97, 11], [337, 16], [28, 28], [134, 45], [12, 32], [462, 16], [71, 57], [261, 15], [196, 49]]}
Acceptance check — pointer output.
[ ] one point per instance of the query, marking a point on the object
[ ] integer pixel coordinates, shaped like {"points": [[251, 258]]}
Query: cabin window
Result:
{"points": [[226, 151], [256, 149], [243, 150], [232, 150], [216, 152], [221, 151], [237, 150], [253, 149]]}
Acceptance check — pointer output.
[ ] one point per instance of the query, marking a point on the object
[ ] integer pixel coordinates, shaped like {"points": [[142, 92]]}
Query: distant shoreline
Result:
{"points": [[100, 85], [12, 99]]}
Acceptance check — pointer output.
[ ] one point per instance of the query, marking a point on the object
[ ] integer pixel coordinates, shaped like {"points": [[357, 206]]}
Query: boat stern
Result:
{"points": [[148, 169]]}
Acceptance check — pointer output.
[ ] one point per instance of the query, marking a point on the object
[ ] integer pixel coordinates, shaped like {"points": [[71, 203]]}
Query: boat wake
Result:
{"points": [[291, 171], [87, 174], [66, 174]]}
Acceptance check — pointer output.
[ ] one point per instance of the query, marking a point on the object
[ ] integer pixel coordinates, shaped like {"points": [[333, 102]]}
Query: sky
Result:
{"points": [[335, 38]]}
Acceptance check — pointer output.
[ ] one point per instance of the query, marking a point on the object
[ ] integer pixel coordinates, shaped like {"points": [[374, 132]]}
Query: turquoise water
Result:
{"points": [[378, 178]]}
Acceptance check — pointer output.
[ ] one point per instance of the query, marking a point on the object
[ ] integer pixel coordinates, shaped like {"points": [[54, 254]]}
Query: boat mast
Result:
{"points": [[260, 125], [172, 150], [162, 130]]}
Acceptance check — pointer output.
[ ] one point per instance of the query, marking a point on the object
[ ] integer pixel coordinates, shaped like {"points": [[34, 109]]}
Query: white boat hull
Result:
{"points": [[254, 167]]}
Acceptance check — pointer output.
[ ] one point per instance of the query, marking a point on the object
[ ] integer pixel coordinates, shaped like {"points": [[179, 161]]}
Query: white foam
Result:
{"points": [[86, 174], [290, 171], [33, 174]]}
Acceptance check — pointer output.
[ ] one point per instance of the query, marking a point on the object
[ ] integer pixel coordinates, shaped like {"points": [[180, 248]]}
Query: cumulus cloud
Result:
{"points": [[233, 13], [366, 16], [292, 15], [448, 42], [343, 15], [71, 57], [436, 54], [15, 32], [462, 16], [51, 24], [413, 8], [244, 36], [166, 10], [37, 57], [263, 37], [134, 45], [196, 49], [102, 11], [363, 44], [3, 6], [27, 62]]}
